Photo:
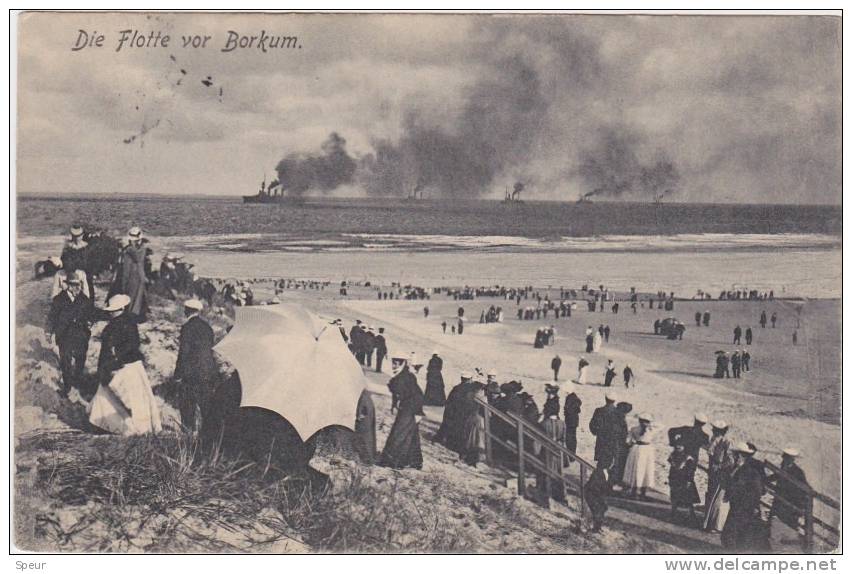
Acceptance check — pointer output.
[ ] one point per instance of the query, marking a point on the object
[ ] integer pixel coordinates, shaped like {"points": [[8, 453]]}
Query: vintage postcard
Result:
{"points": [[548, 283]]}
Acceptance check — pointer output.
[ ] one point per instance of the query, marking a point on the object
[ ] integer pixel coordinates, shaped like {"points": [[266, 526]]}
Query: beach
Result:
{"points": [[789, 398]]}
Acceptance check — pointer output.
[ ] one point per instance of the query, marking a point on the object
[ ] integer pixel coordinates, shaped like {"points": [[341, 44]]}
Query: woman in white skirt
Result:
{"points": [[124, 403], [639, 468], [582, 371]]}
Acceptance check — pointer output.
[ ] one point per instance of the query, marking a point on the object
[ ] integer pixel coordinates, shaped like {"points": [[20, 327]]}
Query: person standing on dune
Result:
{"points": [[130, 276]]}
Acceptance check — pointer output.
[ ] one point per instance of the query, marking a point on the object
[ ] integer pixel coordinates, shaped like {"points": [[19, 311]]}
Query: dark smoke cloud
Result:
{"points": [[328, 170], [612, 167], [500, 119]]}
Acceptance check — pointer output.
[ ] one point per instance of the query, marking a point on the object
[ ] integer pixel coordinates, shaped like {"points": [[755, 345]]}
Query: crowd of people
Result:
{"points": [[624, 455]]}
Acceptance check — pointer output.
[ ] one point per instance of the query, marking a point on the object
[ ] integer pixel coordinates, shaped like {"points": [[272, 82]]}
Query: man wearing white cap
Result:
{"points": [[195, 370], [124, 403], [744, 530], [790, 499], [69, 321], [130, 275]]}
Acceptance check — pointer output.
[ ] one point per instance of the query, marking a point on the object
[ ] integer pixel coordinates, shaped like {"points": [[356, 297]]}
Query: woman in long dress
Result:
{"points": [[402, 448], [582, 371], [720, 466], [130, 276], [639, 468], [435, 394], [124, 403], [597, 341]]}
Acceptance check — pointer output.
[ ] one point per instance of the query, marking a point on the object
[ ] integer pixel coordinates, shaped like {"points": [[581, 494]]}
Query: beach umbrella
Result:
{"points": [[295, 364]]}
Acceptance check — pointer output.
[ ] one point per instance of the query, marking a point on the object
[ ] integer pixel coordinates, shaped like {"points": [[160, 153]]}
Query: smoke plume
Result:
{"points": [[612, 167], [331, 168]]}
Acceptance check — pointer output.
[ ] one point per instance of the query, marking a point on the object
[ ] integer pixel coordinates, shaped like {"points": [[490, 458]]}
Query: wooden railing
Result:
{"points": [[826, 532], [524, 431], [526, 434]]}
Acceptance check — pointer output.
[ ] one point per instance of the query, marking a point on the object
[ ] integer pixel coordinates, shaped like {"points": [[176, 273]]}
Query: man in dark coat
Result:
{"points": [[790, 499], [402, 449], [698, 318], [571, 413], [356, 344], [556, 364], [435, 394], [736, 364], [609, 376], [628, 376], [762, 319], [381, 346], [195, 370], [604, 426], [705, 319], [365, 428], [369, 343], [744, 529], [692, 437], [738, 333], [68, 321], [749, 336]]}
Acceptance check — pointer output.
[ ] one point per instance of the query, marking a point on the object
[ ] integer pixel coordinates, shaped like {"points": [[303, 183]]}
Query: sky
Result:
{"points": [[688, 108]]}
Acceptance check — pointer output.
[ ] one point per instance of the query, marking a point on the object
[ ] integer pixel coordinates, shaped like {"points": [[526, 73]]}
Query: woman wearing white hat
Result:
{"points": [[130, 276], [639, 468], [124, 403]]}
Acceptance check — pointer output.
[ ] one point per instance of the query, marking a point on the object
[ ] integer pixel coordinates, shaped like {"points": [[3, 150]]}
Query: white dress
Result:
{"points": [[581, 375], [129, 384], [597, 342], [639, 468]]}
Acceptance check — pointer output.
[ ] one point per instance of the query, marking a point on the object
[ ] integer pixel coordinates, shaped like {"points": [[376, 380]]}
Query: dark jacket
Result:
{"points": [[693, 439], [604, 425], [119, 346], [195, 360], [69, 320]]}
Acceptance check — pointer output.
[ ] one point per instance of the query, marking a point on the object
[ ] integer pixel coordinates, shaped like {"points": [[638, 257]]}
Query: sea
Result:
{"points": [[793, 250]]}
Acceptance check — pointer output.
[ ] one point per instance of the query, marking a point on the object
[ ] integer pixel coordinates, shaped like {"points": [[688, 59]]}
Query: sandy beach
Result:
{"points": [[789, 398]]}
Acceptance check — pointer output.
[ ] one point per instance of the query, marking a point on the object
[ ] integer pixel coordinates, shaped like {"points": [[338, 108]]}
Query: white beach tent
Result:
{"points": [[293, 363]]}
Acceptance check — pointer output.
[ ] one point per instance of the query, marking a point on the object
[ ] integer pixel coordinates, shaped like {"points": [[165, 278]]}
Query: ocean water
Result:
{"points": [[793, 250]]}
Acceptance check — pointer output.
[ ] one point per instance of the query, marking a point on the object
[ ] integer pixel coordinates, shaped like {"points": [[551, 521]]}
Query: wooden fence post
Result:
{"points": [[809, 524], [522, 486], [489, 455]]}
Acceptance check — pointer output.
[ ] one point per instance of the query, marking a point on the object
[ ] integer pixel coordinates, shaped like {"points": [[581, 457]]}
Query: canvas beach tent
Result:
{"points": [[293, 363]]}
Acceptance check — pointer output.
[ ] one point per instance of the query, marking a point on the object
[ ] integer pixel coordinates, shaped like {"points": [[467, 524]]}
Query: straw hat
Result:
{"points": [[744, 448], [466, 375], [721, 425], [491, 373], [74, 280], [55, 260], [76, 231], [701, 418], [117, 302], [194, 304], [646, 417], [791, 452], [135, 232]]}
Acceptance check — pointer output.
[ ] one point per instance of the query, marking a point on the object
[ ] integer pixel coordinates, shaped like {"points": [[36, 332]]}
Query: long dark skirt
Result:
{"points": [[435, 395], [402, 448], [744, 531], [683, 492]]}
